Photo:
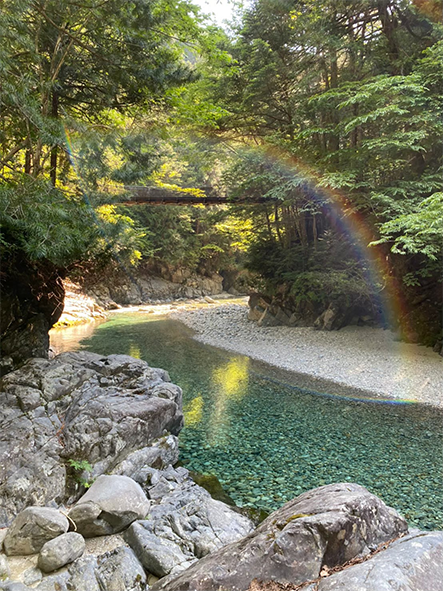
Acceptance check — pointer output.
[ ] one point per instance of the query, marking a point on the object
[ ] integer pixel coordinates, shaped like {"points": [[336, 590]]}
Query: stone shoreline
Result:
{"points": [[364, 358]]}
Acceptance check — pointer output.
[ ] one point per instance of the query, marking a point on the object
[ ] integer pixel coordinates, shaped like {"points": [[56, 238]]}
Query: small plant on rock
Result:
{"points": [[79, 468]]}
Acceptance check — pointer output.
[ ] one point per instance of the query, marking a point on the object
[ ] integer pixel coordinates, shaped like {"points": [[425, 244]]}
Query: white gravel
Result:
{"points": [[360, 357]]}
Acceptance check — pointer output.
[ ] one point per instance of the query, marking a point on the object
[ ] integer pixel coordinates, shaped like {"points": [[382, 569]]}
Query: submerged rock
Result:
{"points": [[323, 527], [109, 506], [32, 528], [85, 407]]}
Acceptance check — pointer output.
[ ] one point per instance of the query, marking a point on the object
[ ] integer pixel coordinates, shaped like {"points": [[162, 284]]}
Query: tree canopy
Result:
{"points": [[302, 102]]}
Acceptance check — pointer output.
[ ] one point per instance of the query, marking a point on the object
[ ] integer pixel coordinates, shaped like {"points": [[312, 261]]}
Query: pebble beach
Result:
{"points": [[368, 359]]}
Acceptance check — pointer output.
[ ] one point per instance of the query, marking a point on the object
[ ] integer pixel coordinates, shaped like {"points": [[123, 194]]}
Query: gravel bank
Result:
{"points": [[360, 357]]}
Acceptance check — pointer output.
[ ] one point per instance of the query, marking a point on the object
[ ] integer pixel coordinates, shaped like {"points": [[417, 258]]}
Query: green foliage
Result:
{"points": [[418, 232], [87, 71], [346, 97], [331, 285], [194, 238], [81, 467], [44, 223]]}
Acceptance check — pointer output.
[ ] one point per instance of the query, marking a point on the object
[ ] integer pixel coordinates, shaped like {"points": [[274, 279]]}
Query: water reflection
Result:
{"points": [[193, 411]]}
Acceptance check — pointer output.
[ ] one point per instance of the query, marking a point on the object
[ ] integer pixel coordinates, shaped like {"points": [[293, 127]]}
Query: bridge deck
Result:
{"points": [[164, 196]]}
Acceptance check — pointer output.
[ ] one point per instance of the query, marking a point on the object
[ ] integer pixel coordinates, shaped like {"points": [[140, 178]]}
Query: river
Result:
{"points": [[268, 436]]}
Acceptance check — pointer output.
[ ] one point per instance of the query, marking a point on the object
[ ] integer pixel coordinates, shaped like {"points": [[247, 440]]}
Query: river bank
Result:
{"points": [[365, 358]]}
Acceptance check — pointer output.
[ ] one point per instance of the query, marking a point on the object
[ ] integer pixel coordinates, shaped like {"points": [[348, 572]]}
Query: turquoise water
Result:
{"points": [[267, 439]]}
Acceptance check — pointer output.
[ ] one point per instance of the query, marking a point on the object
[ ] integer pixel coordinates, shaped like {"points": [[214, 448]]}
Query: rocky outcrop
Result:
{"points": [[86, 408], [324, 527], [184, 524], [413, 563], [117, 570], [115, 287], [78, 306], [281, 310], [32, 301]]}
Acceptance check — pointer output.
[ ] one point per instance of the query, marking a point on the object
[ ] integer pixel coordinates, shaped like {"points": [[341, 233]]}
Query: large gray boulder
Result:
{"points": [[109, 506], [61, 551], [32, 528], [184, 525], [324, 527], [412, 563], [81, 406], [118, 570]]}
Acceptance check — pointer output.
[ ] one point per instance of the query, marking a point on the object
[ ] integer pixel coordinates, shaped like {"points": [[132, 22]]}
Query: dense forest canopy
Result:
{"points": [[330, 109]]}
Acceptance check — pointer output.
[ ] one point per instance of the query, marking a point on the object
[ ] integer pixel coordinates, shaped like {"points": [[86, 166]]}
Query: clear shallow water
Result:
{"points": [[266, 439]]}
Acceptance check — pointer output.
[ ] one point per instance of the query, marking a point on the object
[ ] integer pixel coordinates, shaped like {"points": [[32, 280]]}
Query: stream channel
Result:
{"points": [[269, 435]]}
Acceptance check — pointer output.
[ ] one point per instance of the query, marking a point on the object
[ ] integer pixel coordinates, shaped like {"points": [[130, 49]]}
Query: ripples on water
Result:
{"points": [[268, 437]]}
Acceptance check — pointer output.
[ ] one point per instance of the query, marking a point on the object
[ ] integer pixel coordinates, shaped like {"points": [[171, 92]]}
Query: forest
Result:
{"points": [[328, 112]]}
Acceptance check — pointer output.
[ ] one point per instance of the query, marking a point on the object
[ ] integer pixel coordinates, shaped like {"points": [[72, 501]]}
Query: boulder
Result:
{"points": [[160, 454], [330, 319], [61, 551], [109, 506], [267, 319], [80, 406], [32, 576], [32, 528], [57, 582], [82, 574], [118, 570], [412, 563], [12, 586], [324, 527], [184, 525]]}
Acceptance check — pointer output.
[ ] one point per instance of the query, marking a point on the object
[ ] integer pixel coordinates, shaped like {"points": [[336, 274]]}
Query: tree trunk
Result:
{"points": [[389, 25], [54, 149]]}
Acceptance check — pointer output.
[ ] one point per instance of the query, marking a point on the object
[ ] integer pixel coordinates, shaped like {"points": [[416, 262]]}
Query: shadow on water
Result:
{"points": [[269, 435]]}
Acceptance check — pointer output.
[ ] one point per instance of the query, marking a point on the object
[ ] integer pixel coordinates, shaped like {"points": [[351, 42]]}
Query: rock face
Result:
{"points": [[283, 310], [118, 570], [153, 282], [61, 551], [78, 307], [86, 407], [185, 524], [413, 563], [109, 506], [32, 301], [32, 528], [324, 527]]}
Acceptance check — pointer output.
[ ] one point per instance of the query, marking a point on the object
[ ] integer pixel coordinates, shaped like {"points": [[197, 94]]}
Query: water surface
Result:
{"points": [[268, 436]]}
